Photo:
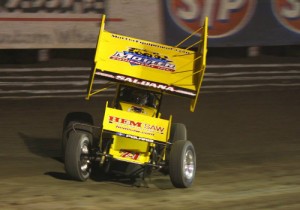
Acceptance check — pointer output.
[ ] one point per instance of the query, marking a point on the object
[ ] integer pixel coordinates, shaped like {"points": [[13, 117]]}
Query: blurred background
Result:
{"points": [[65, 31]]}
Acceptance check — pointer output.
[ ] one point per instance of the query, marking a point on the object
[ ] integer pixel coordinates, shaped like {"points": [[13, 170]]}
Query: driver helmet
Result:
{"points": [[139, 97]]}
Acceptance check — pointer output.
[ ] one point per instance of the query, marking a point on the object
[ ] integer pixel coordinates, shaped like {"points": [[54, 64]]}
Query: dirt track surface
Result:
{"points": [[247, 144]]}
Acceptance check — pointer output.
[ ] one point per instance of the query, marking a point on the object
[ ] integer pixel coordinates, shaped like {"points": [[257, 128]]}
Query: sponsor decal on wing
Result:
{"points": [[136, 126], [136, 57], [150, 84]]}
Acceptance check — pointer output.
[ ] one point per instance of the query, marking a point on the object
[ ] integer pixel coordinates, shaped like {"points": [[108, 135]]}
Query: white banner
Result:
{"points": [[49, 23], [41, 24]]}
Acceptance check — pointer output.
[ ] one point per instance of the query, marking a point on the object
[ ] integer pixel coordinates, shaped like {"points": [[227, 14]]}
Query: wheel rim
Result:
{"points": [[189, 165], [84, 161]]}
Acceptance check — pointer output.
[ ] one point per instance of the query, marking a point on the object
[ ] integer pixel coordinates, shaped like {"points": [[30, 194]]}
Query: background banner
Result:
{"points": [[49, 23], [39, 24], [42, 24], [234, 22]]}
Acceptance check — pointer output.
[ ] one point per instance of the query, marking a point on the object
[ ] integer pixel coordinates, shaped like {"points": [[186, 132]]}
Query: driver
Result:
{"points": [[139, 97]]}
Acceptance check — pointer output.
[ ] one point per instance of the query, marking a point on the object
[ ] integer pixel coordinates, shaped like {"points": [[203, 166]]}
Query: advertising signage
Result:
{"points": [[39, 24], [49, 23], [234, 22], [42, 24]]}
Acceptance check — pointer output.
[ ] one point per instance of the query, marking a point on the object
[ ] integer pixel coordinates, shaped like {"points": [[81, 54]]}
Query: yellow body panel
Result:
{"points": [[130, 150], [117, 58], [136, 132], [136, 126]]}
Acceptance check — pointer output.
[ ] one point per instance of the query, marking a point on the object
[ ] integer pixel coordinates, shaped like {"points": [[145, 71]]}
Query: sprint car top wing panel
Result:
{"points": [[148, 64]]}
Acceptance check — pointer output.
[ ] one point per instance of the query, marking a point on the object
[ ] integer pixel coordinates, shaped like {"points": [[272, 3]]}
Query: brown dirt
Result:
{"points": [[247, 144]]}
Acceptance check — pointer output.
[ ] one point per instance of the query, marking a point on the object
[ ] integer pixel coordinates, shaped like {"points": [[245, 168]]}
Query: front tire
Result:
{"points": [[182, 165], [78, 149]]}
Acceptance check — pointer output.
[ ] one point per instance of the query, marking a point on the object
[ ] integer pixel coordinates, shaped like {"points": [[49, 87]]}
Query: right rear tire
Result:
{"points": [[182, 164], [178, 132]]}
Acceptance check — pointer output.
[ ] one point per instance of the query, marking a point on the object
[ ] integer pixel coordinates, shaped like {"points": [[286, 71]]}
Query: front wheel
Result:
{"points": [[182, 165], [77, 163]]}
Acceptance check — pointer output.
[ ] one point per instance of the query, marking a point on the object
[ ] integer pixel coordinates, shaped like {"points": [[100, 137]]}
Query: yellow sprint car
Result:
{"points": [[133, 134]]}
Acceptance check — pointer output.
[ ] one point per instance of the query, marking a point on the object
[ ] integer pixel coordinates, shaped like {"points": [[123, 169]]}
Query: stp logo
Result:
{"points": [[225, 17], [287, 13]]}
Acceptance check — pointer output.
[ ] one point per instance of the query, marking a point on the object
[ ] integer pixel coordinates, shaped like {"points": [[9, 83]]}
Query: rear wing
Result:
{"points": [[150, 65]]}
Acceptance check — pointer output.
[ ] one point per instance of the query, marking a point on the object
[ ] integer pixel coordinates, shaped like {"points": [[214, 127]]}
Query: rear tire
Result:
{"points": [[178, 132], [182, 164], [69, 121], [82, 117], [78, 148]]}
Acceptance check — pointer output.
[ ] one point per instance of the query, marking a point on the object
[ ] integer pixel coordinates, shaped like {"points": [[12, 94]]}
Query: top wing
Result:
{"points": [[150, 65]]}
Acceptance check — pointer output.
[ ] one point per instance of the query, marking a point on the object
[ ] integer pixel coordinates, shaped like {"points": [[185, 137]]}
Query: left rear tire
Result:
{"points": [[71, 119]]}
